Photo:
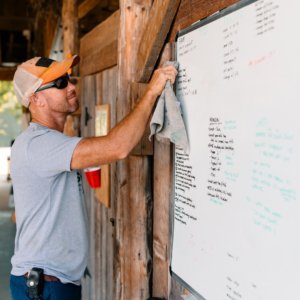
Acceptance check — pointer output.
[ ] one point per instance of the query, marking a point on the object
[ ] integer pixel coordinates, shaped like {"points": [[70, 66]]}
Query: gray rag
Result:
{"points": [[167, 119]]}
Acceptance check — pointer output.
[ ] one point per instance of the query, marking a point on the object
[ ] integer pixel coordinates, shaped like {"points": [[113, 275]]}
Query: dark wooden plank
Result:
{"points": [[161, 17], [99, 47]]}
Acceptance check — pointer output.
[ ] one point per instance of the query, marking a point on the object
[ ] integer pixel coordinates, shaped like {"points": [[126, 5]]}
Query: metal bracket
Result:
{"points": [[87, 116]]}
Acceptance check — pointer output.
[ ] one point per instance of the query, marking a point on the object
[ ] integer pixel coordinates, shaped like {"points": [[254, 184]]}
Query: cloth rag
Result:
{"points": [[167, 119]]}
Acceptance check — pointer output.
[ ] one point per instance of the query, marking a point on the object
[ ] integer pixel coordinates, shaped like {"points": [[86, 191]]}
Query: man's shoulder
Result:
{"points": [[29, 133]]}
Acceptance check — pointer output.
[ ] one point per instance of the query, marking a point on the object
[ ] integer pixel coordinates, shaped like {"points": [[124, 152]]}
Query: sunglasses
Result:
{"points": [[59, 83]]}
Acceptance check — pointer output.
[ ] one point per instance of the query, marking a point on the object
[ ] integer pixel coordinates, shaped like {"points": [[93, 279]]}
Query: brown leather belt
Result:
{"points": [[48, 278]]}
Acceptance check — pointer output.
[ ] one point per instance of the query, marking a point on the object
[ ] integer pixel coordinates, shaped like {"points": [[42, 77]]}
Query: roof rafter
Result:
{"points": [[86, 6]]}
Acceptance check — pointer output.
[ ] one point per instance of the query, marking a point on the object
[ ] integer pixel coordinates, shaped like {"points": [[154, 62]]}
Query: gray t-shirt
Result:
{"points": [[50, 209]]}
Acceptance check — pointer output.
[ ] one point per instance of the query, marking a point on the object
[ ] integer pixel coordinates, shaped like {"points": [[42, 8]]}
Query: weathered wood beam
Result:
{"points": [[86, 6], [144, 147], [159, 24], [12, 23], [191, 11], [140, 198], [70, 27], [131, 280], [162, 172], [161, 218], [7, 73], [50, 25], [99, 47]]}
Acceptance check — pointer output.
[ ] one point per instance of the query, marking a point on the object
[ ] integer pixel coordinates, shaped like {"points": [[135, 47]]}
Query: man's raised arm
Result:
{"points": [[125, 135]]}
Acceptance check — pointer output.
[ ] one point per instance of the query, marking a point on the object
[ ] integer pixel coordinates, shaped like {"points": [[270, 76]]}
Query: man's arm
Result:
{"points": [[122, 138]]}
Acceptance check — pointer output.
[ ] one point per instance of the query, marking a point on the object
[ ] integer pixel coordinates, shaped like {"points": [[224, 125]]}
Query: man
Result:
{"points": [[51, 240]]}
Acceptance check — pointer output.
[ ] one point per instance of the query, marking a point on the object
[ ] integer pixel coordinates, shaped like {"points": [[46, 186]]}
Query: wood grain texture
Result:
{"points": [[99, 47], [100, 89], [160, 20], [88, 99], [139, 198], [162, 183], [86, 6], [134, 16], [145, 146], [70, 27], [191, 11], [103, 193], [49, 31]]}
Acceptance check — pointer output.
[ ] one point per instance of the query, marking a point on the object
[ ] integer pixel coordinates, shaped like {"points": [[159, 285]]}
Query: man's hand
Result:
{"points": [[159, 79]]}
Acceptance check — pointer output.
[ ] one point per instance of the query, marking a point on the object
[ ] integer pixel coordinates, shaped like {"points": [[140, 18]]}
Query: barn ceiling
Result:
{"points": [[20, 23]]}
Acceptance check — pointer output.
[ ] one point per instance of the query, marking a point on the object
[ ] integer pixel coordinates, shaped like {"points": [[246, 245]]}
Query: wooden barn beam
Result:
{"points": [[99, 47], [7, 74], [86, 6], [162, 173], [144, 147], [155, 33], [132, 278], [12, 23], [70, 27]]}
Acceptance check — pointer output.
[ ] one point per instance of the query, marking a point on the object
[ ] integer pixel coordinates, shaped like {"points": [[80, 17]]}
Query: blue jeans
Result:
{"points": [[52, 290]]}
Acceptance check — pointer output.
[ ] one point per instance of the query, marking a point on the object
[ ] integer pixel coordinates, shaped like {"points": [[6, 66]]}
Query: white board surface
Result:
{"points": [[237, 208]]}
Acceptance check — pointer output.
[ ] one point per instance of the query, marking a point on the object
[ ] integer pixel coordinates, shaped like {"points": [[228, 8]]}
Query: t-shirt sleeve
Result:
{"points": [[51, 153]]}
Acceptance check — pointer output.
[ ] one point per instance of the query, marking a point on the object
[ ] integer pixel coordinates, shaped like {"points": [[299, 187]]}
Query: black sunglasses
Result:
{"points": [[59, 83]]}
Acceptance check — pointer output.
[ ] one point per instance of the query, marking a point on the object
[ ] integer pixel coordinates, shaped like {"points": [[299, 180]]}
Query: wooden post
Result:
{"points": [[144, 147], [161, 208], [134, 15], [70, 27], [161, 221]]}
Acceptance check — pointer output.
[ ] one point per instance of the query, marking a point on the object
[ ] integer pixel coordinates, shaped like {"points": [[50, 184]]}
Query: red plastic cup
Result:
{"points": [[93, 176]]}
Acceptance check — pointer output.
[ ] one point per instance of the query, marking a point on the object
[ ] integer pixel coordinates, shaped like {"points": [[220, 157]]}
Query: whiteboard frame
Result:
{"points": [[218, 15]]}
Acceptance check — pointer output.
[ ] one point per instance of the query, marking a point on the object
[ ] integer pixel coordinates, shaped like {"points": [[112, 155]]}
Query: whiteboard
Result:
{"points": [[236, 195]]}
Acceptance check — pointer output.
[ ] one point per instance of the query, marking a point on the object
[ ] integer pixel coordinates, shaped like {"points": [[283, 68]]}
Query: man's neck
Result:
{"points": [[56, 124]]}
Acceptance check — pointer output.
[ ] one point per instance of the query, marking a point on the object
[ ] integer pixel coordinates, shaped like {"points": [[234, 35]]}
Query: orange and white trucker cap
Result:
{"points": [[37, 71]]}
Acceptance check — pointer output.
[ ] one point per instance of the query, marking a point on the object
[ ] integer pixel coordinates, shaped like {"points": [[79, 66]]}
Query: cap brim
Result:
{"points": [[59, 68]]}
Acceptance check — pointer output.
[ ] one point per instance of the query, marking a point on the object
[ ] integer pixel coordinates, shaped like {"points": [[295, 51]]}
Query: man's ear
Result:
{"points": [[37, 100]]}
